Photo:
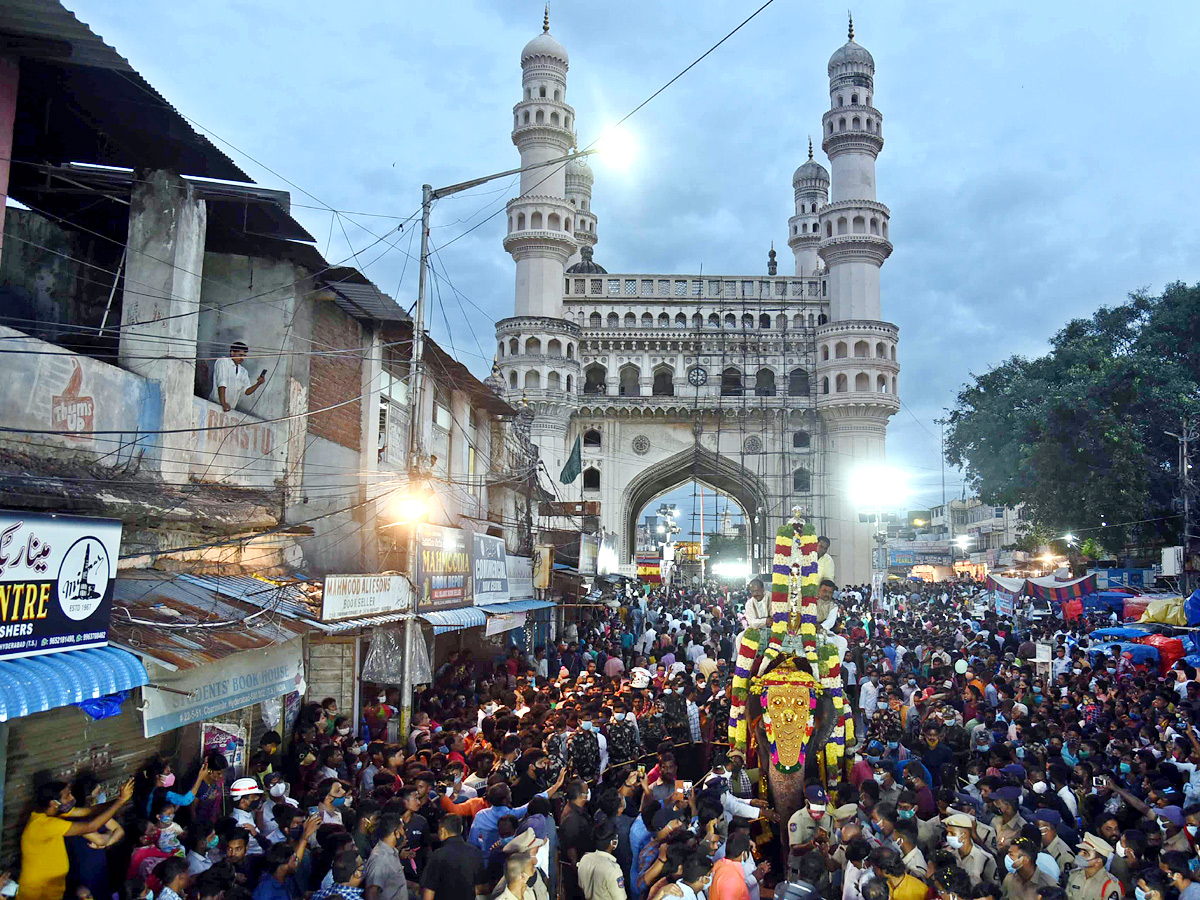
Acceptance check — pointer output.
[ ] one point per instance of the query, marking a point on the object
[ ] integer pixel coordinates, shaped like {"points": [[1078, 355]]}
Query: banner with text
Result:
{"points": [[489, 570], [520, 577], [234, 682], [56, 582], [442, 568], [353, 596]]}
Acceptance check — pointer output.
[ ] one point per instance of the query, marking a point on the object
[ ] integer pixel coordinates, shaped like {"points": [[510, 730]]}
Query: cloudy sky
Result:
{"points": [[1040, 158]]}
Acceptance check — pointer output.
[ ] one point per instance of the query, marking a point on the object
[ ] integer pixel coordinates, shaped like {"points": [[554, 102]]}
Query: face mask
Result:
{"points": [[1139, 893], [149, 895], [1125, 768], [879, 777], [906, 813], [165, 819], [1119, 850], [954, 842], [339, 801], [211, 843], [1040, 787], [66, 807], [1192, 829], [1077, 671], [1081, 861], [586, 726], [892, 745], [1084, 754], [343, 731], [972, 778], [1009, 864], [169, 780], [1020, 753], [816, 812]]}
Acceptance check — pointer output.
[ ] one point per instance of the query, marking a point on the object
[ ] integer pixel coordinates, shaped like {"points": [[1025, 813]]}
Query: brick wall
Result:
{"points": [[334, 379]]}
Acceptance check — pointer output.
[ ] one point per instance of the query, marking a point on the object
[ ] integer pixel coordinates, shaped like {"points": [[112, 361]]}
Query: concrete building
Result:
{"points": [[139, 253], [770, 388]]}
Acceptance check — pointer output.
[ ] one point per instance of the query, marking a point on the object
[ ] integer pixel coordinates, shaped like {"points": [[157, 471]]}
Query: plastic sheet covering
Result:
{"points": [[384, 663], [1168, 611], [103, 707]]}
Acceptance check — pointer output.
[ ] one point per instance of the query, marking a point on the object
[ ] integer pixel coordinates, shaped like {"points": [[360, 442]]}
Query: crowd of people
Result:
{"points": [[599, 768]]}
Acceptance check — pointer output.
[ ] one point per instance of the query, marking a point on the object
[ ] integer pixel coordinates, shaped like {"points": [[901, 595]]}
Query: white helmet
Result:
{"points": [[244, 787]]}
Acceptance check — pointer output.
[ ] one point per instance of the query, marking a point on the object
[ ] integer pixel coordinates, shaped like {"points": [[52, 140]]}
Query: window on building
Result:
{"points": [[591, 438], [801, 481], [664, 382], [798, 383], [591, 479], [801, 440], [764, 383], [731, 382]]}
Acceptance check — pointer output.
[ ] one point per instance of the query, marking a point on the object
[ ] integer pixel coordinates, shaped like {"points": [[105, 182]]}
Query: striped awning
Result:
{"points": [[444, 620], [39, 683]]}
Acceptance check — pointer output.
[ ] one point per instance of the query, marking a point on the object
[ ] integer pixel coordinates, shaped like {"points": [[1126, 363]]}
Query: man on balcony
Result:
{"points": [[231, 380]]}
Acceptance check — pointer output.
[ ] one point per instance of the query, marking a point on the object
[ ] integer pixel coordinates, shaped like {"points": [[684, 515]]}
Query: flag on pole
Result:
{"points": [[574, 465]]}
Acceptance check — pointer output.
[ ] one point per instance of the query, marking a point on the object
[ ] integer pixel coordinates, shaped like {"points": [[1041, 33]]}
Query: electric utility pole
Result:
{"points": [[1187, 437]]}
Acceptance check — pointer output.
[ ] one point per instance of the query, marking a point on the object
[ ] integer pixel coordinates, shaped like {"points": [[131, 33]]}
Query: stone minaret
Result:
{"points": [[857, 368], [811, 186]]}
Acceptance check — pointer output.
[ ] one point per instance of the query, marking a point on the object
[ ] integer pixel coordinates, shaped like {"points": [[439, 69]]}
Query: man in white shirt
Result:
{"points": [[868, 694], [825, 567], [231, 380]]}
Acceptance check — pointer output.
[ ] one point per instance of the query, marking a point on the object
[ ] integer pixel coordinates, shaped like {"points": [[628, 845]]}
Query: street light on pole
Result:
{"points": [[621, 147], [872, 488]]}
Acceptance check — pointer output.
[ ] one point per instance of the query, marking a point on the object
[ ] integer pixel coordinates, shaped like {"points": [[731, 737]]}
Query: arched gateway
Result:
{"points": [[719, 473]]}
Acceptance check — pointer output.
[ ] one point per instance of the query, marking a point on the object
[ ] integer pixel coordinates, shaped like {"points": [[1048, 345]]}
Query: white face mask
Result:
{"points": [[1039, 787], [1119, 850], [972, 778], [954, 842]]}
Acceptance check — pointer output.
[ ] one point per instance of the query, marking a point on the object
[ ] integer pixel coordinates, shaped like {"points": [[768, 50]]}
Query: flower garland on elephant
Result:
{"points": [[795, 550]]}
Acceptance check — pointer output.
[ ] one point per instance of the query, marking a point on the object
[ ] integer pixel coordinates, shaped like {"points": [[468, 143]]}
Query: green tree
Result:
{"points": [[1078, 434]]}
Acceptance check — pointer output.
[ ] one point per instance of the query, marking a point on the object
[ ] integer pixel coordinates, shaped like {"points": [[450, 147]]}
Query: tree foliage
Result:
{"points": [[1078, 435]]}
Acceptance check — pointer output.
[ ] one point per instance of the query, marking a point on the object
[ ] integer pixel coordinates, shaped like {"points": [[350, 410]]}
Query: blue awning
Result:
{"points": [[444, 620], [38, 683], [514, 606]]}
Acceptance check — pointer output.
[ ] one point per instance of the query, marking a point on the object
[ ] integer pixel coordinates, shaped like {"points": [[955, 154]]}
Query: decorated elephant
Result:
{"points": [[787, 683]]}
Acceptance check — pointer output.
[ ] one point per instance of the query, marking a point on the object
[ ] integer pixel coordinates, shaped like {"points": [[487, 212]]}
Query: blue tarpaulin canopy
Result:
{"points": [[1142, 653]]}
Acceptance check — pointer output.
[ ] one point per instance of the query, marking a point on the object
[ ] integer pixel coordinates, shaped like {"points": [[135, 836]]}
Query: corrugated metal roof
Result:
{"points": [[152, 612], [67, 43], [293, 601], [38, 683], [359, 297], [444, 620]]}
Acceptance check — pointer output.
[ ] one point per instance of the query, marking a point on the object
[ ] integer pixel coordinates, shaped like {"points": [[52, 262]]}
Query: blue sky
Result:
{"points": [[1039, 162]]}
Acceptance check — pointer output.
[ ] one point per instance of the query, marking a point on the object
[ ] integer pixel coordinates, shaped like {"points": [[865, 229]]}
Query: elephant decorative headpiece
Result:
{"points": [[812, 664]]}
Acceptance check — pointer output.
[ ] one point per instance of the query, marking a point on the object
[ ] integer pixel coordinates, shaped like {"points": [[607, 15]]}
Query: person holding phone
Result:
{"points": [[231, 380]]}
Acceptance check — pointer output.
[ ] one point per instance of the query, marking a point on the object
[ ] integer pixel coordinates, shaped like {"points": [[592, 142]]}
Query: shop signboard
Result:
{"points": [[443, 566], [56, 582], [520, 577], [489, 570], [353, 596], [235, 682], [543, 567], [496, 624], [589, 553]]}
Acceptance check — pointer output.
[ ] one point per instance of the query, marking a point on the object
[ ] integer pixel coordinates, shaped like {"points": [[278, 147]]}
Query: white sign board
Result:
{"points": [[56, 582], [232, 683], [353, 596], [520, 577], [505, 622]]}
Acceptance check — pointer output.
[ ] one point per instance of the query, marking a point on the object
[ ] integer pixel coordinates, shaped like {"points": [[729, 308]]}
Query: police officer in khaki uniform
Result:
{"points": [[979, 865], [600, 876], [1048, 822], [808, 825], [1089, 880]]}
